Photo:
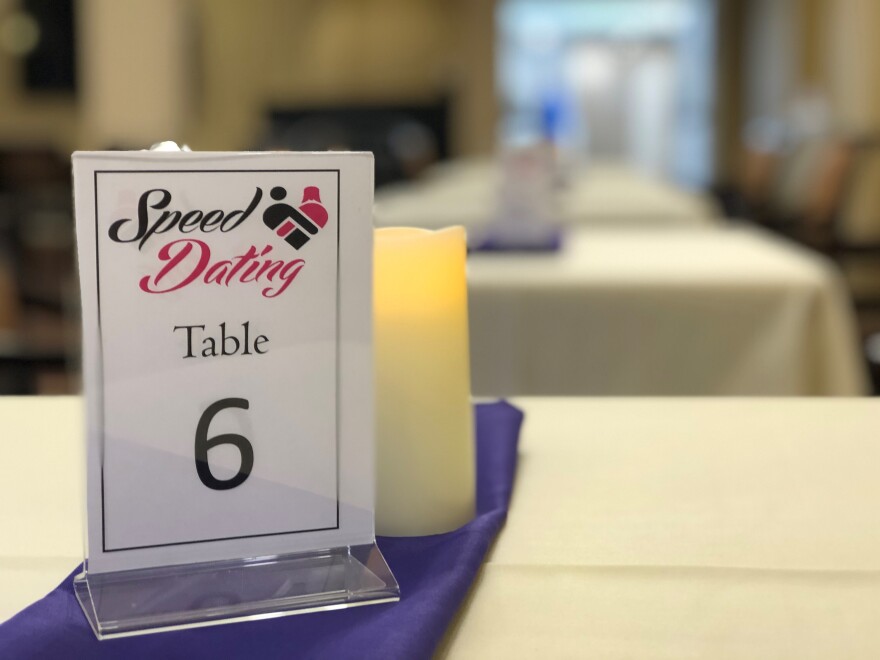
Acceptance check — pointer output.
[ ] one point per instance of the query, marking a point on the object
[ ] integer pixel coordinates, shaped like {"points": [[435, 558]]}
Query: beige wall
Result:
{"points": [[850, 74], [204, 71], [134, 89], [312, 52], [729, 89], [476, 112], [812, 26]]}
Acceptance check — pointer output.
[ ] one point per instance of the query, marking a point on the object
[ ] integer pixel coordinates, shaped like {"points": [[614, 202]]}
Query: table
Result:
{"points": [[723, 528], [726, 310], [464, 192], [686, 528]]}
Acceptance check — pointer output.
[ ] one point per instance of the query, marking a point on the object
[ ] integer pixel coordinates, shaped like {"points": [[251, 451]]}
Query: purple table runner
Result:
{"points": [[495, 241], [434, 572]]}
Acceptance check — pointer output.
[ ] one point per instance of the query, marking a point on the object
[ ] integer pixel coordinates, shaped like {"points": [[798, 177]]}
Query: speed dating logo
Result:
{"points": [[189, 261], [289, 222]]}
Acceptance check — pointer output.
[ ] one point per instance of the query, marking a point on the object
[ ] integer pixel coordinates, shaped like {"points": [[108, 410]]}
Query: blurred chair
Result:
{"points": [[806, 191], [748, 195], [855, 242], [756, 180], [9, 319], [36, 270], [858, 223], [825, 193]]}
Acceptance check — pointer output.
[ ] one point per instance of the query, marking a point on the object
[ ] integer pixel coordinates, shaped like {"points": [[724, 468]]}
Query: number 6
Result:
{"points": [[204, 443]]}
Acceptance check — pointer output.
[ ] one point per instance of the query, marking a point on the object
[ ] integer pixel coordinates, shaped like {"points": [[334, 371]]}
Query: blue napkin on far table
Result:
{"points": [[434, 572]]}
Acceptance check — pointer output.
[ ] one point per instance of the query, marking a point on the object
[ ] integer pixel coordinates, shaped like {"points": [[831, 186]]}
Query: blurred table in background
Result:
{"points": [[465, 192], [719, 311]]}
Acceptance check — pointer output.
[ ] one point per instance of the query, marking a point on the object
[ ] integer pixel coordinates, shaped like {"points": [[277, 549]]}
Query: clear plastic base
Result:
{"points": [[185, 596]]}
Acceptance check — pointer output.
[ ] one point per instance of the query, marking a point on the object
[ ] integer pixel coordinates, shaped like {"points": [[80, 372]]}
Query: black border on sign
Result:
{"points": [[101, 344]]}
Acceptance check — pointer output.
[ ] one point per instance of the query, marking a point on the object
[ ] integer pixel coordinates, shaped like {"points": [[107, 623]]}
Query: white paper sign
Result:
{"points": [[227, 320]]}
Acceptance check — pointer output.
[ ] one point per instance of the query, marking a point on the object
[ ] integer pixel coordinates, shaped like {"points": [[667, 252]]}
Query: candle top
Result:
{"points": [[419, 270], [417, 235]]}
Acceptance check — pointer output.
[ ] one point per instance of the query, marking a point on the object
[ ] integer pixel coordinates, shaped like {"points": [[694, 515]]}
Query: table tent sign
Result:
{"points": [[227, 318], [527, 211]]}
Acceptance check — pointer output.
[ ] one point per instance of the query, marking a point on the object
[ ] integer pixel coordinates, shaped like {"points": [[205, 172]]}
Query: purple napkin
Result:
{"points": [[547, 240], [434, 572]]}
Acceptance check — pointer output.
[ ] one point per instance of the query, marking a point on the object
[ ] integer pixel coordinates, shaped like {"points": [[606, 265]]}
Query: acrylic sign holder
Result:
{"points": [[253, 360], [142, 601]]}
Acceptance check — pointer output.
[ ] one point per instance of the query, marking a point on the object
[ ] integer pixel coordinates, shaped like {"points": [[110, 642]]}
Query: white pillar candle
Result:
{"points": [[426, 479]]}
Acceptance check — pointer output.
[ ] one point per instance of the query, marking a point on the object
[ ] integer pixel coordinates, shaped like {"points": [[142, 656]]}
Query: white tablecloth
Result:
{"points": [[714, 311], [638, 528], [605, 195], [686, 529]]}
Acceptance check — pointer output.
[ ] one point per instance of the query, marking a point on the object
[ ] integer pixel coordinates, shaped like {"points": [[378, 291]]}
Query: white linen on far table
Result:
{"points": [[713, 311], [466, 193]]}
